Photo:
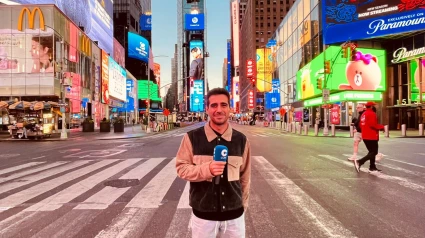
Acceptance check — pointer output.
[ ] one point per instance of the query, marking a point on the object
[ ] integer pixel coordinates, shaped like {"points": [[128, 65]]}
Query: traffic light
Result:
{"points": [[353, 54], [327, 66], [344, 52], [253, 82], [319, 83]]}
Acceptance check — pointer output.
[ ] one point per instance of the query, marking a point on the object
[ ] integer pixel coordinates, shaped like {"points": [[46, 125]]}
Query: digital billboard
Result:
{"points": [[74, 93], [142, 90], [197, 96], [196, 60], [119, 53], [117, 81], [26, 50], [194, 22], [273, 97], [415, 80], [264, 70], [145, 22], [229, 65], [366, 72], [235, 32], [138, 47], [157, 73], [354, 20], [105, 77], [94, 15]]}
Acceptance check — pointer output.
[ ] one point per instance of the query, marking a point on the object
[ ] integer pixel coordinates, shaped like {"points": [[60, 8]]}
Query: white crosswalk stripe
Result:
{"points": [[77, 189]]}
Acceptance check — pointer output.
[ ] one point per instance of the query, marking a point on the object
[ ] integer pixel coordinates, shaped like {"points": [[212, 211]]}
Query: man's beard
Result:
{"points": [[218, 123]]}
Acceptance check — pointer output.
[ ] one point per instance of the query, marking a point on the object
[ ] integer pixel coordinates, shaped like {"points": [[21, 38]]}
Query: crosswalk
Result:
{"points": [[143, 197], [269, 134]]}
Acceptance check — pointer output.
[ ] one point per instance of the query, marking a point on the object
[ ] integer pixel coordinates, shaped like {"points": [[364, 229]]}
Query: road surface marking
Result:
{"points": [[33, 178], [184, 198], [22, 166], [31, 171], [389, 166], [96, 153], [38, 157], [399, 180], [306, 209], [65, 196], [152, 194], [107, 195], [25, 195]]}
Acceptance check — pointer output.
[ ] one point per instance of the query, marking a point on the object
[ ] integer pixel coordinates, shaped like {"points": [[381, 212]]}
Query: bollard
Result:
{"points": [[387, 132], [306, 130], [351, 131], [333, 130], [300, 129], [288, 127], [294, 127], [316, 129], [421, 129], [403, 130]]}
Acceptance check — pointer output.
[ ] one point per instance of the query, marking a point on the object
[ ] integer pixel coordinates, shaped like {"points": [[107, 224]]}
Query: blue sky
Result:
{"points": [[164, 36]]}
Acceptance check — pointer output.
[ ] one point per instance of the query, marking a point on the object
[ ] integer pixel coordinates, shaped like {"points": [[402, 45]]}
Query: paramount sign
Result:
{"points": [[399, 22], [402, 54]]}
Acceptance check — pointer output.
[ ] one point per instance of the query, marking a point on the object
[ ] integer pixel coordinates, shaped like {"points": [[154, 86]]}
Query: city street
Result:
{"points": [[301, 187]]}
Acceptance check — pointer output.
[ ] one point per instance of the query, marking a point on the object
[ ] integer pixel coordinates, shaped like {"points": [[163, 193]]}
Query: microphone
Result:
{"points": [[220, 154]]}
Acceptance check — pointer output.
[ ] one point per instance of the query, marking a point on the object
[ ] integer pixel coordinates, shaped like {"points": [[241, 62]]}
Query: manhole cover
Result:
{"points": [[122, 183], [8, 155]]}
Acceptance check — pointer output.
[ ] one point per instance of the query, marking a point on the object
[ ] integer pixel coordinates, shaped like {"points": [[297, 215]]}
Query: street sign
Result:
{"points": [[325, 95]]}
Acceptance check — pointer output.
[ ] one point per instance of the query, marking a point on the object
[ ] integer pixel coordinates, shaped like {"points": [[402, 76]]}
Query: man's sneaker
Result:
{"points": [[356, 165], [379, 157], [375, 170]]}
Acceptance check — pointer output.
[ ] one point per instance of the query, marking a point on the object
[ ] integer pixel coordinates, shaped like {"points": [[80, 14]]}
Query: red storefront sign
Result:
{"points": [[335, 115], [250, 99], [250, 69]]}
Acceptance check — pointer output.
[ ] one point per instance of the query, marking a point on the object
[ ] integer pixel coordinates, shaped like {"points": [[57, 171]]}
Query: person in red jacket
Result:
{"points": [[370, 134]]}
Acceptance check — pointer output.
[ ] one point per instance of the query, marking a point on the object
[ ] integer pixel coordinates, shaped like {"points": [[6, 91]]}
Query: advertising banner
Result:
{"points": [[251, 103], [138, 47], [119, 53], [335, 115], [415, 80], [74, 93], [26, 47], [229, 65], [94, 15], [366, 73], [273, 97], [346, 96], [105, 77], [196, 60], [194, 22], [96, 71], [117, 81], [130, 97], [235, 32], [250, 69], [197, 96], [354, 20], [157, 73], [142, 90], [264, 70], [235, 87], [145, 22]]}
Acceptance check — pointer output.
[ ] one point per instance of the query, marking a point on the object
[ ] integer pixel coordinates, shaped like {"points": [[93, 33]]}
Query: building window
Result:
{"points": [[274, 24], [261, 25], [268, 9], [268, 24]]}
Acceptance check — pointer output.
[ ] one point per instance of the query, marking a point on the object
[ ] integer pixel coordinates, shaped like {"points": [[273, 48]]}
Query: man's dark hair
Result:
{"points": [[217, 91], [195, 49]]}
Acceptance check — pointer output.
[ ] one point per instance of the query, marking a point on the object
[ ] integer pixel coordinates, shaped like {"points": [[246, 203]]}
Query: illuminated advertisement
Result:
{"points": [[96, 71], [142, 90], [130, 98], [346, 96], [194, 22], [251, 99], [74, 93], [415, 80], [196, 60], [354, 20], [105, 77], [117, 81], [94, 15], [250, 69], [235, 89], [73, 38], [157, 73], [235, 32], [229, 64], [197, 96], [138, 47], [119, 53], [273, 97], [145, 22], [26, 49], [366, 72], [264, 70]]}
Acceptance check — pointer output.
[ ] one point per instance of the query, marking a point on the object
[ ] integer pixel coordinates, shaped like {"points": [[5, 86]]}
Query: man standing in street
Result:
{"points": [[370, 134], [218, 209], [357, 131]]}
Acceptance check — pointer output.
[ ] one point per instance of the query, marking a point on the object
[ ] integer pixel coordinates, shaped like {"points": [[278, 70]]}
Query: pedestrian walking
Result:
{"points": [[357, 131], [370, 134], [217, 208]]}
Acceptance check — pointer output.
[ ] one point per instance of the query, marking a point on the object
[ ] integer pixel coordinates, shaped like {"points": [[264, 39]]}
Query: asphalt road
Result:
{"points": [[301, 187]]}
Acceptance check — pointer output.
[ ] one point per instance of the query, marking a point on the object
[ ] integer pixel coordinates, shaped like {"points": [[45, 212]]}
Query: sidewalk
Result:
{"points": [[77, 134]]}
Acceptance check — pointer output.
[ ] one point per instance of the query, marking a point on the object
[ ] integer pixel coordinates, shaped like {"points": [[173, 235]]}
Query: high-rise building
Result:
{"points": [[224, 72]]}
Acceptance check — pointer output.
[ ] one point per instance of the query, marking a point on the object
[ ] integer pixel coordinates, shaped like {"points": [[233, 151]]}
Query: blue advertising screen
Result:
{"points": [[138, 47], [273, 97], [229, 67], [197, 96], [196, 48], [145, 22], [194, 22], [94, 15], [354, 20]]}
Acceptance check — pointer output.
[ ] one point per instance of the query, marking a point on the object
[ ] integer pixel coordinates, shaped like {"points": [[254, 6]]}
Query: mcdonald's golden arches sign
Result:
{"points": [[31, 18], [85, 45]]}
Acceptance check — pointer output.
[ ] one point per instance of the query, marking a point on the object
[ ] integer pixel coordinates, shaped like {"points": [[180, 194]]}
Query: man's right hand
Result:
{"points": [[217, 167]]}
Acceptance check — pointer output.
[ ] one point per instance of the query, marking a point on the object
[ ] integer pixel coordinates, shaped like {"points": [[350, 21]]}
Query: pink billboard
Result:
{"points": [[74, 93], [73, 36], [119, 53]]}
